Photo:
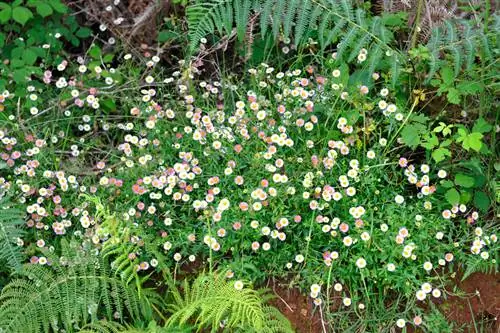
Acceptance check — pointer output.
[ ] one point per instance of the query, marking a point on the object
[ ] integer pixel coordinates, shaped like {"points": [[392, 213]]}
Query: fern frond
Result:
{"points": [[212, 299], [242, 13], [11, 221], [72, 290], [304, 17]]}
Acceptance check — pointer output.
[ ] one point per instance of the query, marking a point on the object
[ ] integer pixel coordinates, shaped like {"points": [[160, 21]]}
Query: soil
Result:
{"points": [[482, 292], [481, 303], [298, 308]]}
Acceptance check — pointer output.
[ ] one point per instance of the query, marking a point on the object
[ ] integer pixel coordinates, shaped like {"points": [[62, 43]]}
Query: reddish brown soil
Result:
{"points": [[484, 306], [298, 308], [481, 302]]}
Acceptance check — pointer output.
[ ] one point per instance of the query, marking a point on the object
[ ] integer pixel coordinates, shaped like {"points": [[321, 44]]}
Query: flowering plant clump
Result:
{"points": [[288, 172]]}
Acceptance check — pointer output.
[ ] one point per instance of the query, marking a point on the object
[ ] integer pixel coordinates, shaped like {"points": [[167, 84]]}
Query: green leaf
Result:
{"points": [[108, 104], [166, 35], [453, 96], [21, 15], [108, 58], [452, 196], [481, 201], [440, 154], [83, 32], [19, 75], [95, 52], [464, 180], [447, 183], [2, 39], [482, 126], [410, 136], [44, 9], [431, 141], [470, 87], [474, 141], [447, 76], [59, 6], [5, 13], [394, 20], [29, 57]]}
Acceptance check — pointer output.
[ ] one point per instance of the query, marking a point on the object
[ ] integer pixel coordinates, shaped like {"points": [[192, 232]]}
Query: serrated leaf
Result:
{"points": [[452, 196], [453, 96], [447, 75], [431, 141], [440, 154], [474, 141], [470, 87], [410, 136], [482, 126], [464, 180], [21, 15]]}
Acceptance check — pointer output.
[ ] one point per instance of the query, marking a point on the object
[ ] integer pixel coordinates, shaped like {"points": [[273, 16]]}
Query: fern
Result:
{"points": [[334, 21], [459, 39], [11, 220], [212, 299], [337, 22], [74, 289]]}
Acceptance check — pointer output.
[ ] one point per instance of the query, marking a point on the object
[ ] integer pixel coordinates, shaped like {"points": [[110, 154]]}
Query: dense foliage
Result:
{"points": [[294, 141]]}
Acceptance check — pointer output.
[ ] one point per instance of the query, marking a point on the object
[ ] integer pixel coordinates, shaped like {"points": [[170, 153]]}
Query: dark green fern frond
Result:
{"points": [[334, 22], [212, 299], [11, 221], [73, 289], [458, 39]]}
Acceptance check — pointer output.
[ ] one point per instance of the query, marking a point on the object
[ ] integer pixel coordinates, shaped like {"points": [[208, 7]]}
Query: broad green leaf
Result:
{"points": [[21, 15], [44, 9], [95, 52], [452, 196], [29, 57], [464, 180], [108, 58], [59, 6], [453, 96], [470, 87], [83, 32], [474, 141], [410, 136], [19, 75], [2, 39], [440, 154], [482, 126], [5, 13], [447, 75], [447, 183], [431, 141], [482, 201]]}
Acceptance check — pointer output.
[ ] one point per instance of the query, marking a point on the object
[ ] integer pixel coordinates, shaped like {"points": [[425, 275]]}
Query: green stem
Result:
{"points": [[416, 28]]}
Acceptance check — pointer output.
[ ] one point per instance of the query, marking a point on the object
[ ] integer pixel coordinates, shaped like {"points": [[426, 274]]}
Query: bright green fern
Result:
{"points": [[212, 299], [71, 290], [11, 220]]}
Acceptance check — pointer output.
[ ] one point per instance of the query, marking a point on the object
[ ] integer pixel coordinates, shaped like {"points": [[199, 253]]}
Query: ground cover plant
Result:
{"points": [[305, 148]]}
